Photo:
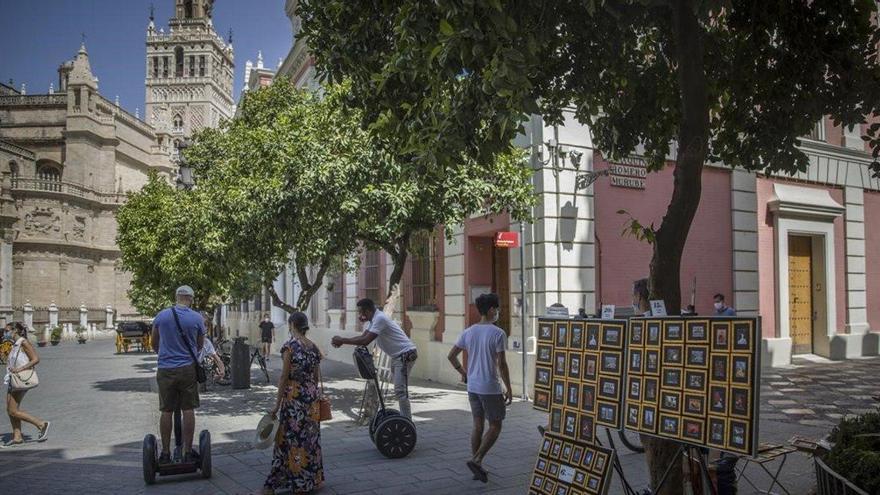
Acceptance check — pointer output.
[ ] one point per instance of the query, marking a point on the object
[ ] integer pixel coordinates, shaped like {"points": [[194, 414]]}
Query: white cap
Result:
{"points": [[185, 290]]}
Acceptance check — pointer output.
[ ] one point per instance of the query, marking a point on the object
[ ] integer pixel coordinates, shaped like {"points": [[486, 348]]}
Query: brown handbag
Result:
{"points": [[324, 412]]}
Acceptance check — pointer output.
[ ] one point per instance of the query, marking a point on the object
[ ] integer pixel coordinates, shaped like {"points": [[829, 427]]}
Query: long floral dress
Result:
{"points": [[297, 463]]}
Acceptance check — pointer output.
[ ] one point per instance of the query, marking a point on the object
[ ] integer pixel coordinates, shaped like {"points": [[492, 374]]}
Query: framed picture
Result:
{"points": [[636, 333], [591, 366], [555, 452], [741, 368], [570, 426], [635, 361], [588, 397], [556, 419], [609, 388], [693, 429], [601, 459], [634, 388], [572, 394], [558, 395], [574, 365], [545, 354], [632, 415], [545, 446], [697, 331], [610, 362], [593, 484], [698, 356], [740, 405], [649, 390], [542, 376], [553, 467], [545, 332], [652, 362], [718, 368], [541, 401], [717, 431], [586, 428], [537, 482], [576, 340], [738, 437], [720, 336], [649, 419], [742, 339], [672, 377], [580, 478], [549, 484], [694, 404], [577, 455], [718, 399], [695, 380], [607, 413], [670, 401], [589, 456], [653, 337], [591, 339], [672, 331], [560, 488], [562, 335], [672, 355], [670, 426], [541, 465], [566, 452], [559, 362], [612, 335]]}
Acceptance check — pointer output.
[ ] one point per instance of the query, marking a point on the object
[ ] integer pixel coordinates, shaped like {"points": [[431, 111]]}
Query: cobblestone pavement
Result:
{"points": [[102, 404]]}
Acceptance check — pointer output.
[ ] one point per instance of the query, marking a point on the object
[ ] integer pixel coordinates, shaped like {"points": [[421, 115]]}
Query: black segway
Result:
{"points": [[393, 434], [177, 465]]}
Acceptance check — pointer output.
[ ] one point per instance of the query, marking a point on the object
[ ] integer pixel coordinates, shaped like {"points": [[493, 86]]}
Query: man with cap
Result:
{"points": [[178, 336]]}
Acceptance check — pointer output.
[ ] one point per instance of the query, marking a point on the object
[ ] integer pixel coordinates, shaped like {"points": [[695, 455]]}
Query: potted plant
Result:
{"points": [[852, 466], [55, 337], [80, 334]]}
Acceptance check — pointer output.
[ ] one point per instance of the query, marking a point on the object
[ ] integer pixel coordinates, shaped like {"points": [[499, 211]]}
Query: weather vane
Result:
{"points": [[152, 17]]}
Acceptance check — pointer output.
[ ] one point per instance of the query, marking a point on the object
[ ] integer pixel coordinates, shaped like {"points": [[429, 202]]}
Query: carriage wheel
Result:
{"points": [[118, 343]]}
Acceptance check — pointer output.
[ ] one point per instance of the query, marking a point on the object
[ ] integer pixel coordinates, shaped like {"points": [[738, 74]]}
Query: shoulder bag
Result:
{"points": [[324, 410], [201, 376], [21, 381]]}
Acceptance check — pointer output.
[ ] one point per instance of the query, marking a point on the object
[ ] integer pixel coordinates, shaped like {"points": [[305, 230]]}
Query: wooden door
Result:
{"points": [[800, 293], [501, 284]]}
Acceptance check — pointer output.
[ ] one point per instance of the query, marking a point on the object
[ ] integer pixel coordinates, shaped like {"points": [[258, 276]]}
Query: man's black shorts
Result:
{"points": [[178, 388]]}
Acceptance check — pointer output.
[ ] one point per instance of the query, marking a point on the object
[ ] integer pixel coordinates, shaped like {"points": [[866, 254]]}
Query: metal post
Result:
{"points": [[522, 285]]}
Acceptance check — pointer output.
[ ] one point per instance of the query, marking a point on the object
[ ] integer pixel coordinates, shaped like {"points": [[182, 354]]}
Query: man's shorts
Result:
{"points": [[266, 336], [178, 388], [488, 406]]}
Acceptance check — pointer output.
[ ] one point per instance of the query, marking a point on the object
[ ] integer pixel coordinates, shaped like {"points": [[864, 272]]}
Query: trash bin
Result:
{"points": [[241, 363]]}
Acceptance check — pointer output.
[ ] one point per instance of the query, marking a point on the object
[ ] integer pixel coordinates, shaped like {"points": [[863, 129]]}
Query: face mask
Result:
{"points": [[719, 305], [636, 309], [497, 315]]}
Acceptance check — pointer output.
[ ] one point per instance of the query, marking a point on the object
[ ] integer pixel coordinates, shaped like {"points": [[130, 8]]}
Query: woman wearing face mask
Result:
{"points": [[640, 303], [22, 357]]}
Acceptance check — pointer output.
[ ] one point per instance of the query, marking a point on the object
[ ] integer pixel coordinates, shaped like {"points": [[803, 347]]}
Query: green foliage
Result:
{"points": [[55, 333], [80, 330], [634, 228], [856, 451]]}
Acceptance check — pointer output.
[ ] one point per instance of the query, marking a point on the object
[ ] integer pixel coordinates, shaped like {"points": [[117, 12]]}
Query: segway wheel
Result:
{"points": [[380, 415], [205, 453], [395, 437], [150, 459]]}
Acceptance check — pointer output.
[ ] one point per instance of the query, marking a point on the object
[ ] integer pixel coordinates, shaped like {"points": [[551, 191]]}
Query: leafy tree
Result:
{"points": [[733, 80]]}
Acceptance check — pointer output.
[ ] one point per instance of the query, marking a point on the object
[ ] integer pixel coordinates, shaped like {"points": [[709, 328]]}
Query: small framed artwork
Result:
{"points": [[609, 388], [632, 415], [558, 395], [580, 478], [545, 332], [545, 446], [588, 397], [693, 429], [672, 377], [698, 356], [634, 388], [542, 376], [670, 401], [541, 401], [738, 437], [636, 333], [591, 366], [697, 331], [577, 455], [649, 390], [562, 335], [559, 362], [610, 362], [541, 465], [601, 459], [670, 426], [607, 413], [694, 404], [742, 338], [553, 467], [741, 368], [556, 420], [653, 337], [649, 419], [612, 335], [537, 481], [555, 451], [566, 452], [576, 340], [717, 430], [589, 457], [549, 484], [574, 365], [635, 361], [591, 339], [560, 488], [593, 484], [720, 336], [739, 402], [672, 355], [695, 380], [586, 428], [718, 368], [544, 354], [572, 394], [718, 399], [672, 331], [652, 362], [569, 428]]}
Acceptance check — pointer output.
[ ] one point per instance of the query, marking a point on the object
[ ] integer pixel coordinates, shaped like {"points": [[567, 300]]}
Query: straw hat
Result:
{"points": [[266, 430]]}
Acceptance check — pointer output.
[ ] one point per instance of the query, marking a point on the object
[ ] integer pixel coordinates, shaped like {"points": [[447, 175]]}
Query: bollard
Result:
{"points": [[241, 363]]}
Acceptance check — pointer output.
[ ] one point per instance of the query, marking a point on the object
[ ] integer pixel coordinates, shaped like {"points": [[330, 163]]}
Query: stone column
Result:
{"points": [[108, 324], [454, 284], [83, 316], [29, 316], [53, 315], [856, 312], [351, 299], [6, 276], [744, 209]]}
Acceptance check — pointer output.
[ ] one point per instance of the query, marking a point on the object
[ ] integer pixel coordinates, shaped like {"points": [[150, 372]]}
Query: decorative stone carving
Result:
{"points": [[79, 227], [42, 221]]}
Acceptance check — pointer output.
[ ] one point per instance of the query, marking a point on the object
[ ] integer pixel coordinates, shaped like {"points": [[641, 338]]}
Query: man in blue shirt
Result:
{"points": [[722, 309], [178, 340]]}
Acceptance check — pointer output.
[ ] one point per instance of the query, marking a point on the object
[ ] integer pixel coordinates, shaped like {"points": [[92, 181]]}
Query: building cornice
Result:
{"points": [[17, 150]]}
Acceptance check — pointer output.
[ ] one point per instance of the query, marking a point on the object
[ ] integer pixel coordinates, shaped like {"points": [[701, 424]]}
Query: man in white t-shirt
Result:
{"points": [[392, 341], [484, 344]]}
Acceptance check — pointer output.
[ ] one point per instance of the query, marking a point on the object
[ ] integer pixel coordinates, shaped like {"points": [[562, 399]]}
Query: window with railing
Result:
{"points": [[372, 280], [13, 169], [49, 178], [422, 269], [336, 289]]}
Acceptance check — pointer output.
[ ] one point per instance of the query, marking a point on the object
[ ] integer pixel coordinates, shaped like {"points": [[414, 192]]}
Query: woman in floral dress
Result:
{"points": [[297, 463]]}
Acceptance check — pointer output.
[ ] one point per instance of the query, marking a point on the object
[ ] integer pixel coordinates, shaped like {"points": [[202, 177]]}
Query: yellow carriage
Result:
{"points": [[133, 333]]}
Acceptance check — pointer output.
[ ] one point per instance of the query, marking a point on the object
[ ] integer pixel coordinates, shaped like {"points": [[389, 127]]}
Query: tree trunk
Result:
{"points": [[392, 299], [693, 137], [309, 288]]}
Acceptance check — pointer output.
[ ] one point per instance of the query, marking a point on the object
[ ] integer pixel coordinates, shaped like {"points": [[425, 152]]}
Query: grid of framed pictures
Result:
{"points": [[579, 375], [694, 380], [569, 467]]}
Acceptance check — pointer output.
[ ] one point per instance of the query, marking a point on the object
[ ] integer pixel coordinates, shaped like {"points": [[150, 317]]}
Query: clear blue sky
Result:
{"points": [[36, 36]]}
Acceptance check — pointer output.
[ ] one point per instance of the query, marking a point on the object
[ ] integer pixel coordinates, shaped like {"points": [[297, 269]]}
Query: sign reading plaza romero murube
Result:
{"points": [[693, 380]]}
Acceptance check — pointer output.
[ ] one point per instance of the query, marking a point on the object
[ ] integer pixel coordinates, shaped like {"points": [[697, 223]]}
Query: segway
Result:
{"points": [[394, 435], [177, 465]]}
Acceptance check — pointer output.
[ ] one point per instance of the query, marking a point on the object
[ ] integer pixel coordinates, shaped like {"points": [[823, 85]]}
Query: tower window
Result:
{"points": [[188, 9], [155, 66], [49, 177], [178, 123], [201, 66], [192, 66], [164, 66], [178, 61], [13, 169]]}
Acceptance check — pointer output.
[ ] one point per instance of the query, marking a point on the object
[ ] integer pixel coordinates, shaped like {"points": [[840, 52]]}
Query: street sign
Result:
{"points": [[507, 239]]}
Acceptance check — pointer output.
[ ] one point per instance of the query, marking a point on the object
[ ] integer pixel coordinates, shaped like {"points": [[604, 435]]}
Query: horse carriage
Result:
{"points": [[133, 333]]}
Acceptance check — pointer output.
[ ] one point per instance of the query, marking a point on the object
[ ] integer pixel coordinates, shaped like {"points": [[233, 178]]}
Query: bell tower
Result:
{"points": [[189, 72]]}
